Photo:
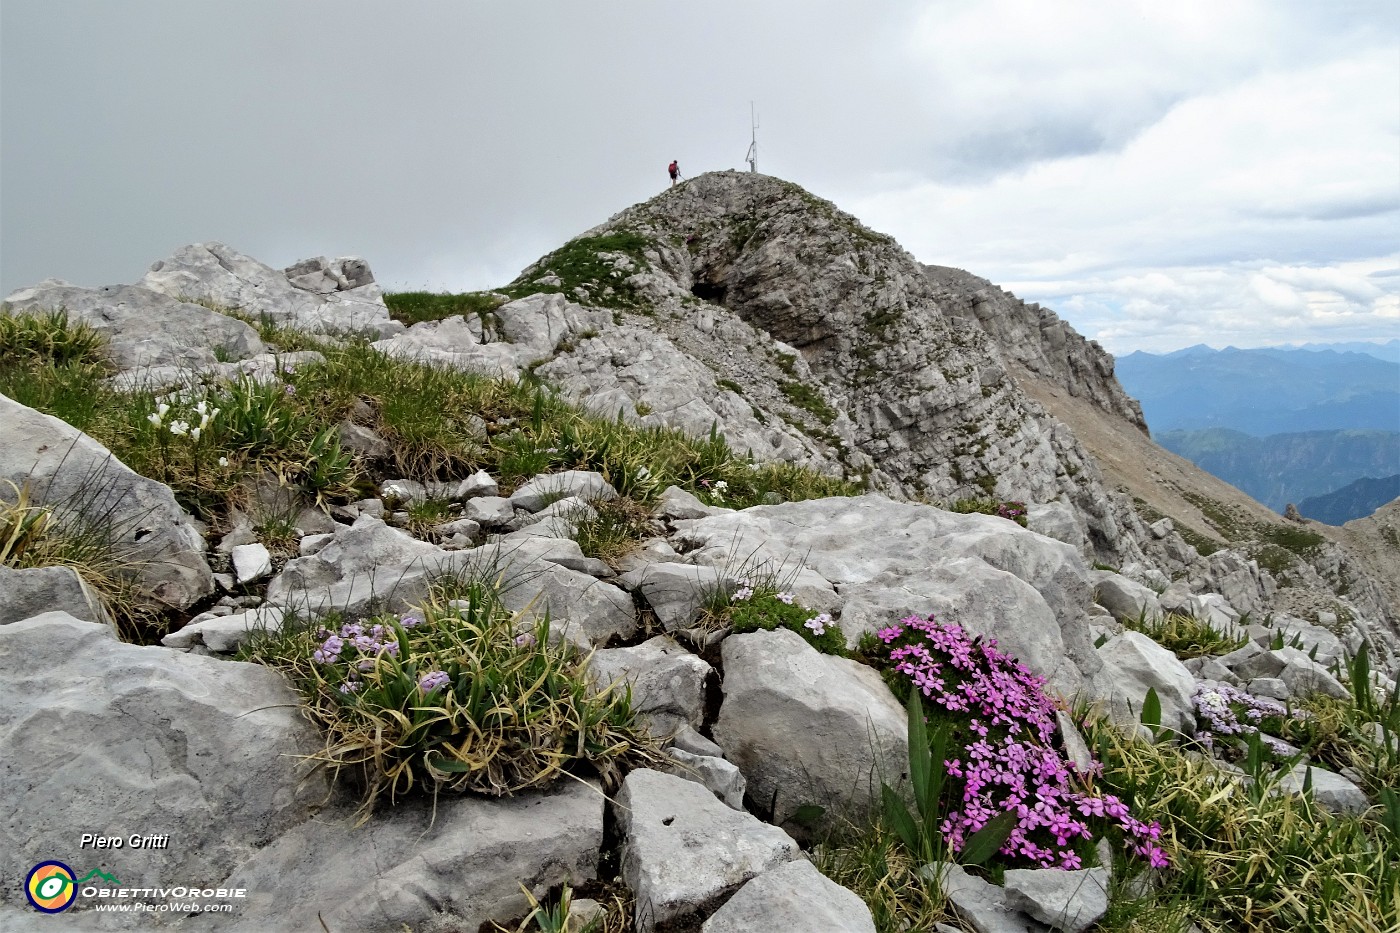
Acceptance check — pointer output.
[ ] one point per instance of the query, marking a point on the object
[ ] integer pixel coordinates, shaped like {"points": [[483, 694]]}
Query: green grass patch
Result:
{"points": [[808, 399], [416, 307]]}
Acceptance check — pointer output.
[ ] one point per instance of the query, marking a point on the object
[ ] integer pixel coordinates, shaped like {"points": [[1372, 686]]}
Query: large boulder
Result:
{"points": [[455, 863], [888, 558], [684, 850], [89, 488], [1134, 664], [143, 327], [221, 276], [116, 740], [808, 728]]}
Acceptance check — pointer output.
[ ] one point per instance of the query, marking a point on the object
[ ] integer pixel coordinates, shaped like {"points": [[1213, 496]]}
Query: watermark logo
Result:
{"points": [[51, 887]]}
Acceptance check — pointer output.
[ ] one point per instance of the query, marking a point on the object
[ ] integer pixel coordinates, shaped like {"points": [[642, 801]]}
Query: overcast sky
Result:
{"points": [[1159, 173]]}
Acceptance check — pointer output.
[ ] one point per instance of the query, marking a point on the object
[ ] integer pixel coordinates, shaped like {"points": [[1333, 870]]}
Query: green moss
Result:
{"points": [[808, 399], [579, 264], [415, 307]]}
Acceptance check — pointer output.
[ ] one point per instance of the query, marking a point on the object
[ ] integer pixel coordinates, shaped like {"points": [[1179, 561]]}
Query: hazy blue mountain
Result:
{"points": [[1264, 391], [1389, 351], [1355, 500], [1284, 468]]}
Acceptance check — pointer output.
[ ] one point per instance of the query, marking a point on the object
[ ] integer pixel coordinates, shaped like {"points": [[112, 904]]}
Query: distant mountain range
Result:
{"points": [[1356, 500], [1284, 468], [1282, 424], [1265, 391]]}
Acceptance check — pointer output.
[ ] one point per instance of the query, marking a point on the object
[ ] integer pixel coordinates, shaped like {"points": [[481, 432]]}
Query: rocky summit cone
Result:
{"points": [[623, 593]]}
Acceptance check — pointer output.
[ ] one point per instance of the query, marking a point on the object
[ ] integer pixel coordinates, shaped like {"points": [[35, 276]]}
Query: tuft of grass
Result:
{"points": [[80, 534], [462, 696], [1243, 858], [49, 336], [1184, 635], [618, 530]]}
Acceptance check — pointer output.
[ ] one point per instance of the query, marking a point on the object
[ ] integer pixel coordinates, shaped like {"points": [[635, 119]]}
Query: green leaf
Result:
{"points": [[808, 815], [984, 843], [1152, 710], [443, 763], [897, 816], [919, 757]]}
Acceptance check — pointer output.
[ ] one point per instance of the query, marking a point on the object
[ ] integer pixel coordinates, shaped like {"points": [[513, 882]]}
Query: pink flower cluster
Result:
{"points": [[1004, 731]]}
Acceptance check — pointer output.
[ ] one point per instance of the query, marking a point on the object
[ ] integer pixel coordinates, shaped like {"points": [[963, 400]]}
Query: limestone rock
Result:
{"points": [[685, 850], [69, 471], [887, 559], [115, 739], [460, 861], [143, 327], [225, 634], [1133, 664], [1329, 789], [794, 897], [36, 590], [1071, 901], [220, 275], [552, 487], [721, 777], [808, 728], [666, 680]]}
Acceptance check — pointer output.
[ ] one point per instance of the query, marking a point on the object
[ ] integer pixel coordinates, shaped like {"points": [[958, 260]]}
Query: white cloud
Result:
{"points": [[1239, 213]]}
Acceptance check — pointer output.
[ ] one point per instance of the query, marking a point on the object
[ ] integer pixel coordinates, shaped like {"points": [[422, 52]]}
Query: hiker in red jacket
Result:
{"points": [[675, 169]]}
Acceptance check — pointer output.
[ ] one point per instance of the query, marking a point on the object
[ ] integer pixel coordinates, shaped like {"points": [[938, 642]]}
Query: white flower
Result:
{"points": [[223, 461], [195, 432], [154, 418], [163, 409], [721, 485], [179, 427], [202, 407]]}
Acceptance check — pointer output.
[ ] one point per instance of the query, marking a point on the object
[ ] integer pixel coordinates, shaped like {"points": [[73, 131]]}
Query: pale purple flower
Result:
{"points": [[525, 640], [818, 623], [433, 680], [785, 598]]}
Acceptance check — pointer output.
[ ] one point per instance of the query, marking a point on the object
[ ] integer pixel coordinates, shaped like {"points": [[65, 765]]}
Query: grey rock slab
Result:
{"points": [[143, 327], [882, 556], [115, 739], [1133, 664], [684, 850], [32, 591], [675, 503], [980, 904], [370, 564], [1071, 901], [1125, 599], [551, 487], [677, 592], [1329, 789], [808, 728], [227, 633], [251, 562], [79, 478], [664, 677], [490, 511], [1305, 676], [793, 897], [723, 779], [461, 861], [220, 275], [688, 740]]}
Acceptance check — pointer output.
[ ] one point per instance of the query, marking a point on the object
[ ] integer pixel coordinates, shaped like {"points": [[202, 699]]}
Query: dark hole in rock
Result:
{"points": [[708, 291], [142, 534], [668, 821]]}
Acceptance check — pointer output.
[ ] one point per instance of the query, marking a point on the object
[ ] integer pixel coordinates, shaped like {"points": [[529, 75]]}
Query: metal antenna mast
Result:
{"points": [[752, 157]]}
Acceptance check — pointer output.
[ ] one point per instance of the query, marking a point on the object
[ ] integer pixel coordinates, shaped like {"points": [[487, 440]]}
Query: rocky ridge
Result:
{"points": [[771, 319]]}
